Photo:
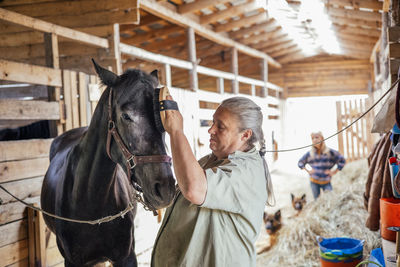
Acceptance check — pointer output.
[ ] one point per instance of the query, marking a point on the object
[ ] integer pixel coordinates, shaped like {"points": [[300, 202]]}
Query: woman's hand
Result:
{"points": [[173, 120]]}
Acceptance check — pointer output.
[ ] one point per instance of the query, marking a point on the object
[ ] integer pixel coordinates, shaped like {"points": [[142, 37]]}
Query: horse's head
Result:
{"points": [[134, 141]]}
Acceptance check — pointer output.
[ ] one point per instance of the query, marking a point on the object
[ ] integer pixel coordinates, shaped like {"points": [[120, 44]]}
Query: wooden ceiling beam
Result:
{"points": [[355, 22], [355, 14], [291, 57], [152, 35], [199, 4], [166, 44], [75, 8], [230, 12], [354, 37], [241, 22], [282, 45], [271, 44], [262, 37], [268, 25], [175, 18], [285, 51], [370, 4], [356, 30]]}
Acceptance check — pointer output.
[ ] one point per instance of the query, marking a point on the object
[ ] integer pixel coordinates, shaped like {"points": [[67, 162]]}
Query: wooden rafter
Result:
{"points": [[229, 12], [262, 37], [241, 22], [370, 4], [260, 27], [355, 22], [174, 17], [355, 14], [357, 30], [198, 4]]}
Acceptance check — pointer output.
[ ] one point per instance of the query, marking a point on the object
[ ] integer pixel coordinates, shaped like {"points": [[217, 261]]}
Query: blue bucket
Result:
{"points": [[340, 251]]}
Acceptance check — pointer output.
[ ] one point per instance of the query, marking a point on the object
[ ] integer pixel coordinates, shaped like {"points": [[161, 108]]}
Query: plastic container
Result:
{"points": [[376, 256], [340, 251], [390, 216]]}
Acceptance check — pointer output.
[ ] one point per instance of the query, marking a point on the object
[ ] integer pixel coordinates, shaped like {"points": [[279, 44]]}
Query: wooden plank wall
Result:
{"points": [[323, 76], [24, 163], [356, 142]]}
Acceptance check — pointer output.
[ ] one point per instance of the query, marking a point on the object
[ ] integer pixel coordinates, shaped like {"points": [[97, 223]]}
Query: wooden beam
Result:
{"points": [[356, 30], [283, 45], [230, 12], [152, 35], [260, 27], [354, 37], [285, 51], [29, 110], [235, 70], [197, 5], [262, 37], [370, 4], [250, 20], [19, 72], [44, 26], [270, 44], [355, 14], [264, 77], [191, 39], [355, 22], [173, 17], [114, 53], [53, 61]]}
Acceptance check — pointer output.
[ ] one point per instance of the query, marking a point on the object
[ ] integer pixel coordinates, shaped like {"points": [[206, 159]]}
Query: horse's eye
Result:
{"points": [[126, 117]]}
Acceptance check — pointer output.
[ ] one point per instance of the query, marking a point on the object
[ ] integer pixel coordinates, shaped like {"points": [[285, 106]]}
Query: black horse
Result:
{"points": [[92, 170]]}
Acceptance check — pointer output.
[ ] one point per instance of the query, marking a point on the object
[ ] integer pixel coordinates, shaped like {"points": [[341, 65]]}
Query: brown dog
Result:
{"points": [[272, 225], [298, 203]]}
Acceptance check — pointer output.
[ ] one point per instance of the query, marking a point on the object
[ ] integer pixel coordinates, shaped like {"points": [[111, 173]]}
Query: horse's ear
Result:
{"points": [[107, 77], [154, 73]]}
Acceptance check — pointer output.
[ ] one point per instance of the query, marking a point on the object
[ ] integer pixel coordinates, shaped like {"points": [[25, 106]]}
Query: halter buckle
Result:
{"points": [[131, 161]]}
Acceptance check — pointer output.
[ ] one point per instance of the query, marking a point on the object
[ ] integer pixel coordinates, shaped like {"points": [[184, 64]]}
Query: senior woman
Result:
{"points": [[217, 213]]}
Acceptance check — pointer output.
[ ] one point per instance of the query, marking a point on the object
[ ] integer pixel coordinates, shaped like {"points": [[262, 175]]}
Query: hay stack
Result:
{"points": [[339, 213]]}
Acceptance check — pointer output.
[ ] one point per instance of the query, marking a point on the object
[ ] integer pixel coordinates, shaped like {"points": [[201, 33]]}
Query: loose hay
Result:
{"points": [[339, 213]]}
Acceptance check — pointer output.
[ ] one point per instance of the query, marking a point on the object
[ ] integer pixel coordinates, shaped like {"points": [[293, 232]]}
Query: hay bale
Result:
{"points": [[339, 213]]}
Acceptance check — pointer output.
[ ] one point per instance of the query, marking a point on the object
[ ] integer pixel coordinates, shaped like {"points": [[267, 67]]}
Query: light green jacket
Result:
{"points": [[222, 231]]}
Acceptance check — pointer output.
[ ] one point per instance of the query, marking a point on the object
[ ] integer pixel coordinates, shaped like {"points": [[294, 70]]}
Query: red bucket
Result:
{"points": [[390, 216]]}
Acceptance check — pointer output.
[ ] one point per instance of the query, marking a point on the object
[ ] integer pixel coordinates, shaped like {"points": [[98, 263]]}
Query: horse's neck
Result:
{"points": [[94, 177]]}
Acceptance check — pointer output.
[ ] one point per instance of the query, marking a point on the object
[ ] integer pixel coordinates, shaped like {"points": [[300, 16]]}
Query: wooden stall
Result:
{"points": [[46, 74]]}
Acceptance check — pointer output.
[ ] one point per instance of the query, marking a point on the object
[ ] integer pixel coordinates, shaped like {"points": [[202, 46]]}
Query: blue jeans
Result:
{"points": [[316, 188]]}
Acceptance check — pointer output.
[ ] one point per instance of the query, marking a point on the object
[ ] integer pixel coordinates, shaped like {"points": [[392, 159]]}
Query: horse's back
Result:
{"points": [[66, 140]]}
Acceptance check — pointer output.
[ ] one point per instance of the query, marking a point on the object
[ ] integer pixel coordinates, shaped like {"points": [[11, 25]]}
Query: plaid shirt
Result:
{"points": [[321, 163]]}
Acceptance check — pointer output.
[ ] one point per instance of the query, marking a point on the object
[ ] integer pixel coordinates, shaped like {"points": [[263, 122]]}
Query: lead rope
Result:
{"points": [[345, 128], [92, 222]]}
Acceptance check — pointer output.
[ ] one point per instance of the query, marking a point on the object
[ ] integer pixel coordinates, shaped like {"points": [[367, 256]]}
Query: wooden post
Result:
{"points": [[194, 83], [339, 126], [52, 60], [264, 77], [235, 70], [67, 99], [167, 79], [253, 90], [220, 85], [83, 82], [37, 238], [74, 100], [114, 50], [345, 124]]}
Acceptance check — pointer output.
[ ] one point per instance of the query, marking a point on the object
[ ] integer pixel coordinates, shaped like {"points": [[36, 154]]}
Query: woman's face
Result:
{"points": [[225, 137], [316, 139]]}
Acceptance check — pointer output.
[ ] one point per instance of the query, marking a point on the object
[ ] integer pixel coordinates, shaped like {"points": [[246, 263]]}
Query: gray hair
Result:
{"points": [[249, 116]]}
